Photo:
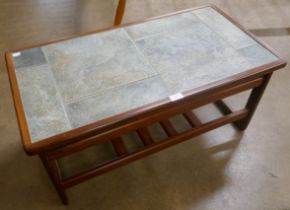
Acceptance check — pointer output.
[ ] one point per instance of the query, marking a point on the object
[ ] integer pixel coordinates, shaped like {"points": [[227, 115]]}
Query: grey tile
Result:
{"points": [[96, 62], [43, 109], [188, 48], [117, 100], [29, 57], [163, 25], [224, 28], [257, 55], [216, 69]]}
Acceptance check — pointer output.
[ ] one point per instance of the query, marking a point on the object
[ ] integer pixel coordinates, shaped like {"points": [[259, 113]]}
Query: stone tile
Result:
{"points": [[163, 25], [188, 48], [224, 28], [118, 100], [94, 63], [217, 69], [257, 55], [44, 111], [30, 57]]}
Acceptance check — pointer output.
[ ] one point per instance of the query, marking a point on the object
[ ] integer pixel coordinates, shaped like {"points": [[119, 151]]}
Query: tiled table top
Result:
{"points": [[72, 83]]}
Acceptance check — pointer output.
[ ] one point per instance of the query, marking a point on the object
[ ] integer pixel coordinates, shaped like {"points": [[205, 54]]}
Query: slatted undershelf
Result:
{"points": [[167, 126], [150, 145], [147, 138]]}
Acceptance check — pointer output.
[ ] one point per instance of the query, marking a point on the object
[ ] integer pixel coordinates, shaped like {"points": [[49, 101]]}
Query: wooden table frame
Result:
{"points": [[112, 128]]}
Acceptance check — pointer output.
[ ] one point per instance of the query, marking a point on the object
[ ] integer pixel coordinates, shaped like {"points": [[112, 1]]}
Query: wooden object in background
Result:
{"points": [[120, 12]]}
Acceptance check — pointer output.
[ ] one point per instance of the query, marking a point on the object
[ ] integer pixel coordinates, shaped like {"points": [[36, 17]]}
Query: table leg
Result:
{"points": [[253, 102], [53, 171]]}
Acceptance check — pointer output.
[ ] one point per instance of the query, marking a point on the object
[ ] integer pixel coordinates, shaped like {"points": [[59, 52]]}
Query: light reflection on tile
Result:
{"points": [[30, 57]]}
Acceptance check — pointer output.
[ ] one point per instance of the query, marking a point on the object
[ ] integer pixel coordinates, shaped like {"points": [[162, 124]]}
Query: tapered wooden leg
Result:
{"points": [[120, 12], [52, 169], [253, 102]]}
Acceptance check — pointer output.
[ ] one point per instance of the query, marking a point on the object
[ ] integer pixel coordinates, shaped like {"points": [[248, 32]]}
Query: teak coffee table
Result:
{"points": [[95, 88]]}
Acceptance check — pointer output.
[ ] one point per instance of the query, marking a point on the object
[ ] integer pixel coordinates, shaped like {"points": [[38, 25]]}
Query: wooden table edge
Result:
{"points": [[19, 108]]}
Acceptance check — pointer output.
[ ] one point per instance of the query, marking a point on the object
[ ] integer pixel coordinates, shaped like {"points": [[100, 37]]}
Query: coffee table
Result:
{"points": [[97, 87]]}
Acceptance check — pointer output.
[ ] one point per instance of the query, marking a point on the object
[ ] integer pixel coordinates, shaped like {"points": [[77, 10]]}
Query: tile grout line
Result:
{"points": [[155, 34], [223, 39], [155, 73], [255, 43], [140, 52], [147, 76], [148, 37], [147, 60], [58, 91], [112, 88], [219, 35]]}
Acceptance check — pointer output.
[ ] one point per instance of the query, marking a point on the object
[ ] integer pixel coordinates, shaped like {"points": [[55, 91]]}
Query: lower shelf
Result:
{"points": [[123, 156]]}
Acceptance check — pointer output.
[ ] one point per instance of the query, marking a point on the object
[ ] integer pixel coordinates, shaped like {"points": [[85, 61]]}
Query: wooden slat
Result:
{"points": [[157, 146], [223, 107], [119, 146], [168, 127], [192, 119], [145, 136]]}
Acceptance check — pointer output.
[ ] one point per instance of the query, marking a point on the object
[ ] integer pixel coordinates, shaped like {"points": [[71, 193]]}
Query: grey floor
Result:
{"points": [[223, 169]]}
